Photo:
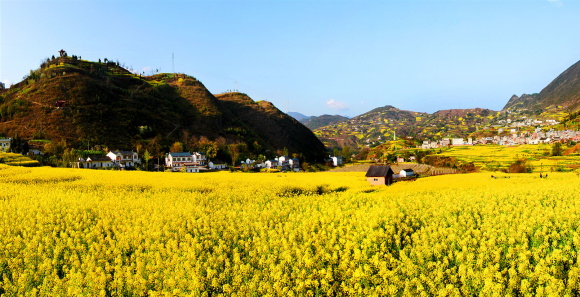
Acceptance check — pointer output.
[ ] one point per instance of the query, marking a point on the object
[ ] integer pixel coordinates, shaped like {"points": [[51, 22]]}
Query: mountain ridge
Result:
{"points": [[103, 103]]}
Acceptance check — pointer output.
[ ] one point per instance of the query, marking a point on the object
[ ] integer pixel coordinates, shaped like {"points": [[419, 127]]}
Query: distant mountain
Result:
{"points": [[521, 103], [388, 122], [314, 122], [85, 102], [563, 93], [298, 116], [323, 120]]}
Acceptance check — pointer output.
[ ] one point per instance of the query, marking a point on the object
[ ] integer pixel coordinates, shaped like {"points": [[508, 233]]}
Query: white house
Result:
{"points": [[199, 159], [457, 141], [271, 164], [177, 161], [124, 158], [294, 164], [217, 165], [284, 162], [406, 172], [5, 144], [336, 161], [94, 161]]}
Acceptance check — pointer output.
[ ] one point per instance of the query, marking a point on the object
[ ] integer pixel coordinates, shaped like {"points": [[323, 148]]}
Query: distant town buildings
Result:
{"points": [[514, 138]]}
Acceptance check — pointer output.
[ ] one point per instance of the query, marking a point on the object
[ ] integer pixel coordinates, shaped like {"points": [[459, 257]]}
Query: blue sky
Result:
{"points": [[319, 57]]}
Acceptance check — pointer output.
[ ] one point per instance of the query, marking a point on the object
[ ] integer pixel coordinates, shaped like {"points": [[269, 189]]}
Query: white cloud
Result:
{"points": [[7, 83], [556, 2], [333, 104], [146, 69]]}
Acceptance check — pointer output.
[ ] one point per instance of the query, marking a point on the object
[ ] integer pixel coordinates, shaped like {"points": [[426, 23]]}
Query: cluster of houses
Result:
{"points": [[283, 163], [515, 138], [182, 162], [384, 175], [117, 159], [526, 122]]}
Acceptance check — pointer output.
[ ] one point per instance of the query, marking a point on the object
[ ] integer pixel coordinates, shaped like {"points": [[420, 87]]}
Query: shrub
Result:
{"points": [[520, 166]]}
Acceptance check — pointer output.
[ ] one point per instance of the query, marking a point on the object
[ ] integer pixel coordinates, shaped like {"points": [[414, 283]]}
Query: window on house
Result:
{"points": [[376, 179]]}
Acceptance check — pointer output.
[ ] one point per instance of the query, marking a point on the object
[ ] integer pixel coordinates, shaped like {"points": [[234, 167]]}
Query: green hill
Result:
{"points": [[385, 123], [105, 104], [323, 120]]}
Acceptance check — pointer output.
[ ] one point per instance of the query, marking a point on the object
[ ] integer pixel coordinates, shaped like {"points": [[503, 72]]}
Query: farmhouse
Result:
{"points": [[406, 173], [177, 161], [283, 162], [271, 164], [124, 158], [199, 159], [334, 160], [217, 165], [5, 144], [294, 164], [380, 175], [94, 161]]}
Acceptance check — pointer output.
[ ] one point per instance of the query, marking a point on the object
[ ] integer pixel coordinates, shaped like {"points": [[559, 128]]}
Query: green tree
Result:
{"points": [[176, 147], [234, 151], [210, 148], [346, 154], [18, 145], [336, 152], [69, 156], [557, 149], [146, 157]]}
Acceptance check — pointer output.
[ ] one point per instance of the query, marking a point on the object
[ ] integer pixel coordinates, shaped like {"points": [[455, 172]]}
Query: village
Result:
{"points": [[188, 162], [514, 138]]}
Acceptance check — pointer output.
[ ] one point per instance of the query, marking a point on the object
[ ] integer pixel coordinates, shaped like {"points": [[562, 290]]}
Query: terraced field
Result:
{"points": [[500, 157]]}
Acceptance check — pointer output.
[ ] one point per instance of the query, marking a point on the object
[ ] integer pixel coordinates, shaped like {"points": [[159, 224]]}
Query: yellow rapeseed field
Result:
{"points": [[66, 232], [538, 156]]}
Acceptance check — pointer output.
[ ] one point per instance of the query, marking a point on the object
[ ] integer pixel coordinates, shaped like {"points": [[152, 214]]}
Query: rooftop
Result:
{"points": [[382, 171], [182, 154], [98, 158], [122, 152]]}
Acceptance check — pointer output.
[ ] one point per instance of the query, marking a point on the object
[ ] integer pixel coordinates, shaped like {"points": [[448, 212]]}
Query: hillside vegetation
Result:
{"points": [[321, 121], [105, 104], [381, 124]]}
